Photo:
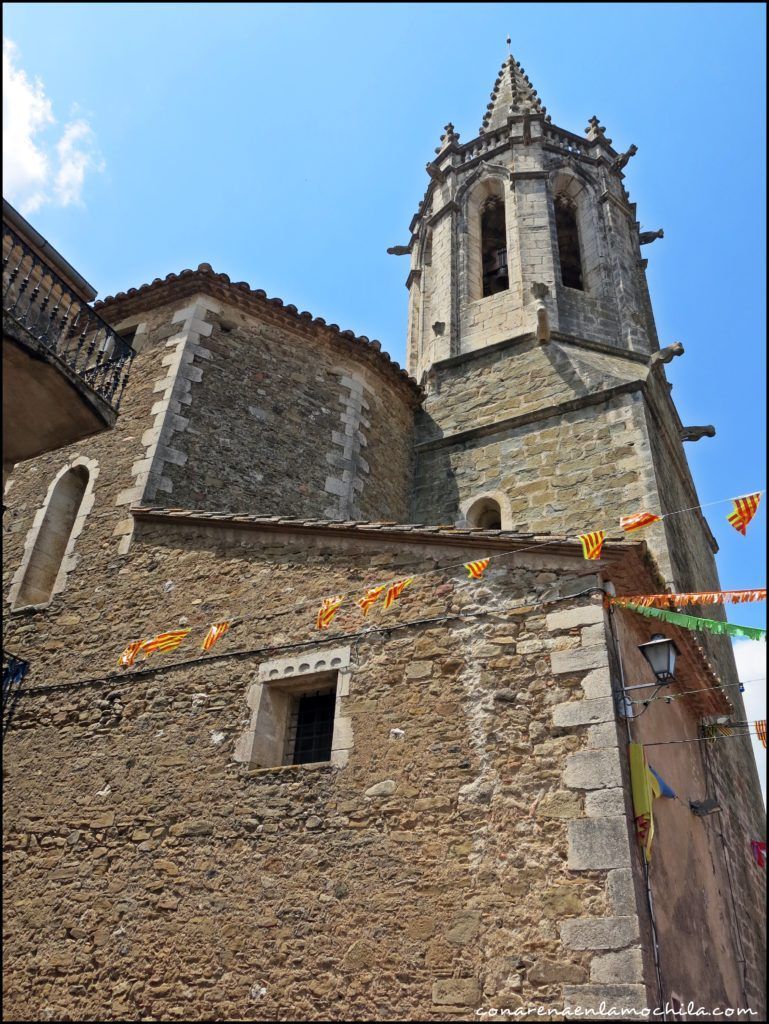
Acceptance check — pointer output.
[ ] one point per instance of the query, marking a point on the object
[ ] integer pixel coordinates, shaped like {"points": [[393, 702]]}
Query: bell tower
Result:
{"points": [[526, 228], [531, 329]]}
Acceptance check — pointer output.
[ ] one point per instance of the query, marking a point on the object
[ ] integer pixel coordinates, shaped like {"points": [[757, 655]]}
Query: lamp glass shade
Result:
{"points": [[661, 653]]}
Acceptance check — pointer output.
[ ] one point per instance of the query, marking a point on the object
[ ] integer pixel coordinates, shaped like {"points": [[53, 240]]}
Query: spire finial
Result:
{"points": [[508, 41]]}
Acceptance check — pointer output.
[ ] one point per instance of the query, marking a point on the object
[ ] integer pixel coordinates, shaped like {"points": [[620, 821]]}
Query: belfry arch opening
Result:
{"points": [[494, 271], [485, 514], [485, 247], [569, 253], [52, 539]]}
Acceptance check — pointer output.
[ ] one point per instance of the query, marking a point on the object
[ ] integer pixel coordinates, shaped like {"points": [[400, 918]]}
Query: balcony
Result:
{"points": [[64, 368]]}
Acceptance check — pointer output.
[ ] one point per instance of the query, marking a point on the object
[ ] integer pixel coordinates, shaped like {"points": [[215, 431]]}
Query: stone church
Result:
{"points": [[425, 812]]}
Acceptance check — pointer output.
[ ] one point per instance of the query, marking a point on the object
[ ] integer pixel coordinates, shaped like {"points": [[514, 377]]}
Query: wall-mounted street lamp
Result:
{"points": [[661, 654]]}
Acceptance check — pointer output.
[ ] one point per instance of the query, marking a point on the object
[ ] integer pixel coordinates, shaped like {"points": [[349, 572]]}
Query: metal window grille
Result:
{"points": [[311, 727]]}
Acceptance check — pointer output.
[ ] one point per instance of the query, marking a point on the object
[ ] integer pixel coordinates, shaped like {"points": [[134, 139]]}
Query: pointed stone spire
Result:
{"points": [[512, 94]]}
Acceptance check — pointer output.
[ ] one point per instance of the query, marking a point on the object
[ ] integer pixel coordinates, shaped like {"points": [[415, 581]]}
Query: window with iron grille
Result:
{"points": [[311, 727]]}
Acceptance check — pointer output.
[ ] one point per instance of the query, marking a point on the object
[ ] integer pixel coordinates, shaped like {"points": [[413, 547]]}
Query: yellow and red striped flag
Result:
{"points": [[164, 642], [395, 590], [744, 510], [216, 632], [328, 610], [370, 598], [592, 543], [761, 731], [640, 519], [128, 657], [476, 569]]}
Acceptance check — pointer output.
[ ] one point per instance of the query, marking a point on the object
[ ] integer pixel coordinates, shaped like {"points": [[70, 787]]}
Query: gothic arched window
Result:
{"points": [[494, 246], [569, 253], [52, 540]]}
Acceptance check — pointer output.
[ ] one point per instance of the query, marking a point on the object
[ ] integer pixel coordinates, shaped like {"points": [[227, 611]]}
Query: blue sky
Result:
{"points": [[286, 145]]}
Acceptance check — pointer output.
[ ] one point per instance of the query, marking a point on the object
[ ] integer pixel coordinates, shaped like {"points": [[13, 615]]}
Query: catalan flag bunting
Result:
{"points": [[164, 642], [637, 521], [328, 610], [659, 786], [761, 731], [759, 852], [128, 657], [592, 543], [216, 632], [701, 597], [395, 590], [744, 510], [370, 598], [476, 569]]}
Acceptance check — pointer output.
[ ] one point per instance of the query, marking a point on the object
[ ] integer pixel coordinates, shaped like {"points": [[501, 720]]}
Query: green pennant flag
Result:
{"points": [[693, 622]]}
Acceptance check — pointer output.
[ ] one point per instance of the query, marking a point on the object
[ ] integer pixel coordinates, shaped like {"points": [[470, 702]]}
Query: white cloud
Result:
{"points": [[750, 656], [38, 167]]}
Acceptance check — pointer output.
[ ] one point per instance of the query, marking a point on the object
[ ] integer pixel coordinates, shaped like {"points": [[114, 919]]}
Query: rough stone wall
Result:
{"points": [[150, 874], [286, 425], [555, 469]]}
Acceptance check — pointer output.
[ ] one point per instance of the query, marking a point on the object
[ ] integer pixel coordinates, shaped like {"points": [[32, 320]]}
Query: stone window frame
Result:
{"points": [[141, 332], [69, 559], [491, 183], [498, 497], [294, 676], [580, 193]]}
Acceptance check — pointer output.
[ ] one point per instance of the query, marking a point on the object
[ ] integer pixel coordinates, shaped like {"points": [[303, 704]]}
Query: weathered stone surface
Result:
{"points": [[593, 769], [464, 927], [386, 788], [596, 843], [583, 712], [545, 972], [605, 803], [624, 967], [599, 933], [579, 660], [597, 683], [620, 891], [568, 618], [456, 992], [560, 804], [615, 998]]}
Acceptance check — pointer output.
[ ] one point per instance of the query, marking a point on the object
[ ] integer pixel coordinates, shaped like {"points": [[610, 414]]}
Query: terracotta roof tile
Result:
{"points": [[208, 275]]}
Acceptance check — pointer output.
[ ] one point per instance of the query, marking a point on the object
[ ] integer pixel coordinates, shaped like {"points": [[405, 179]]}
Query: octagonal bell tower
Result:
{"points": [[527, 227]]}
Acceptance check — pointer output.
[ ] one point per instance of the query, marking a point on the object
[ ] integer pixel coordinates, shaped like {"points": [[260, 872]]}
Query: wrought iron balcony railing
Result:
{"points": [[14, 670], [44, 306]]}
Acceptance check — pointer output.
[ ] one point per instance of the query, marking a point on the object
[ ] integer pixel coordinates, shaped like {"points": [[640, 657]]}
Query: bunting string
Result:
{"points": [[592, 544], [678, 600], [694, 622]]}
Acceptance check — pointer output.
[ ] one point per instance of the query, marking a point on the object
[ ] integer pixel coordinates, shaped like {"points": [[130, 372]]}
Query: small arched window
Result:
{"points": [[569, 253], [494, 246], [53, 537], [485, 514]]}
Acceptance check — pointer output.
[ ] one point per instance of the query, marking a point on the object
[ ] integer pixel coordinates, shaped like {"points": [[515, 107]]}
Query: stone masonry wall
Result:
{"points": [[453, 865], [287, 425], [556, 471]]}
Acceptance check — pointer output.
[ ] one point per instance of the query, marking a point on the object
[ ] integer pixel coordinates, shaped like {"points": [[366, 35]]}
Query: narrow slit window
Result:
{"points": [[53, 538], [568, 243], [494, 246]]}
